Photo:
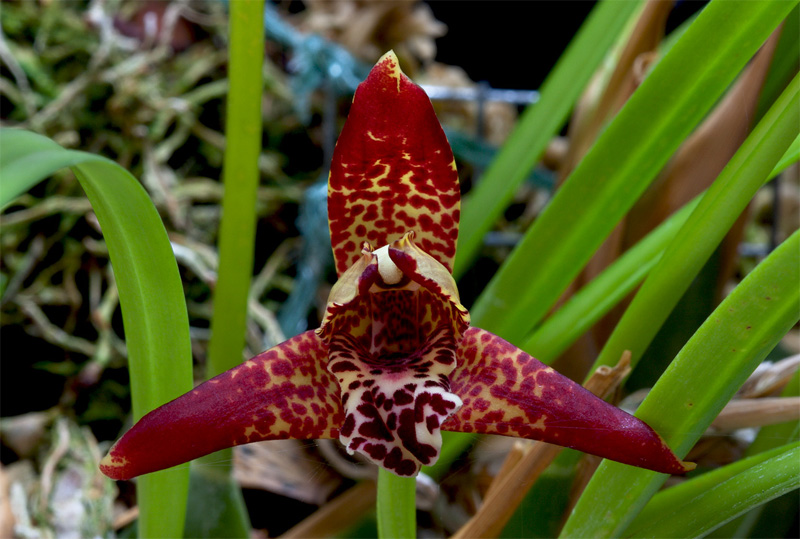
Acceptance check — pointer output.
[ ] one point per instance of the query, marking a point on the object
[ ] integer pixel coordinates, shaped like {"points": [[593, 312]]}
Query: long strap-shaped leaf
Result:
{"points": [[716, 213], [595, 299], [702, 378], [540, 123], [598, 297], [708, 509], [669, 503], [150, 290], [725, 200], [211, 478], [766, 520], [624, 160]]}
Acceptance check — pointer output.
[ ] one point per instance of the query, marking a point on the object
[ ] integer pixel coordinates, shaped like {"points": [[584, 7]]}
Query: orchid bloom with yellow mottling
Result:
{"points": [[395, 359]]}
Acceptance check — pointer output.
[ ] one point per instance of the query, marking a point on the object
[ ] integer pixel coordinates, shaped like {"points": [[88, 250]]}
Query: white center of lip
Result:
{"points": [[389, 271]]}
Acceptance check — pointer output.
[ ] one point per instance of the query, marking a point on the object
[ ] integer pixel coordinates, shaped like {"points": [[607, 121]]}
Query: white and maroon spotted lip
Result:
{"points": [[394, 411]]}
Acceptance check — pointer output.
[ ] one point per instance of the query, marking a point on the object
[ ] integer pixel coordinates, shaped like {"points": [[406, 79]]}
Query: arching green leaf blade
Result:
{"points": [[718, 210], [674, 97], [703, 377], [151, 294], [540, 123], [708, 509]]}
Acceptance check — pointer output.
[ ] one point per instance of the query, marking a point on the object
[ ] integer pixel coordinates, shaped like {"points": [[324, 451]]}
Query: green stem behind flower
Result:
{"points": [[397, 517], [243, 127]]}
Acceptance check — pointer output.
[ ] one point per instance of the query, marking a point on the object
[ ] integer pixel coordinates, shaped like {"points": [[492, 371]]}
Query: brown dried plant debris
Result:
{"points": [[368, 28], [66, 496]]}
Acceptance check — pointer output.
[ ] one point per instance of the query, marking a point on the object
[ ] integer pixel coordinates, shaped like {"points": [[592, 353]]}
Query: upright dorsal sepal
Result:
{"points": [[392, 172]]}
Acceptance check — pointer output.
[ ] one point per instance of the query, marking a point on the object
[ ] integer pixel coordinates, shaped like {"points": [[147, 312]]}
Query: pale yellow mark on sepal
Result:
{"points": [[373, 137], [250, 364], [113, 461], [394, 65], [407, 176], [249, 431], [540, 423]]}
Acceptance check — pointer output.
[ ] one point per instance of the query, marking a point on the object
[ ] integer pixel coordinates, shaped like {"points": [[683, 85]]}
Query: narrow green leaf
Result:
{"points": [[719, 208], [597, 298], [547, 341], [762, 521], [243, 127], [785, 63], [538, 125], [592, 302], [705, 374], [240, 177], [791, 157], [682, 87], [772, 519], [396, 509], [674, 500], [710, 509], [27, 158], [150, 290]]}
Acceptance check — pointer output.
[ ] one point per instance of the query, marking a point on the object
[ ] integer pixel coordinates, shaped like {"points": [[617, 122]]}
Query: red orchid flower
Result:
{"points": [[395, 359]]}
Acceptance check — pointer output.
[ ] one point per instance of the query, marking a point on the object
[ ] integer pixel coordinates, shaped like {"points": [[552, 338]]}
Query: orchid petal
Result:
{"points": [[285, 392], [506, 391], [392, 171]]}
